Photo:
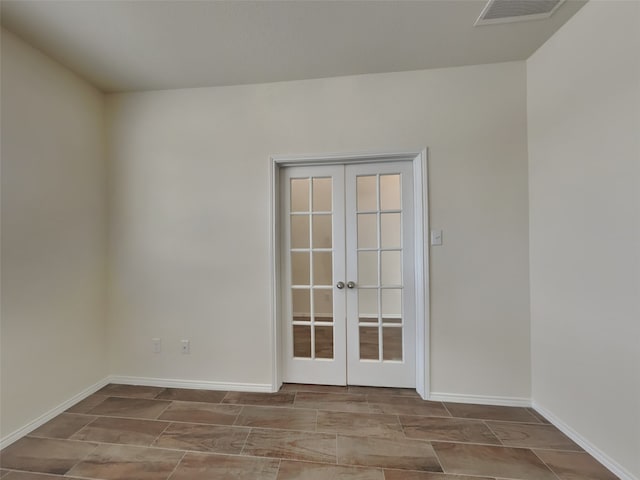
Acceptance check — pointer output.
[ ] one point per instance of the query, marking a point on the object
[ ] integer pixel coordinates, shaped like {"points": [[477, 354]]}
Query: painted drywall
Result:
{"points": [[584, 147], [53, 235], [189, 228]]}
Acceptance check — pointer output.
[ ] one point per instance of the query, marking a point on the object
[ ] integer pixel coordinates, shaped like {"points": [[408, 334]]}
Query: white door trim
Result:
{"points": [[421, 250]]}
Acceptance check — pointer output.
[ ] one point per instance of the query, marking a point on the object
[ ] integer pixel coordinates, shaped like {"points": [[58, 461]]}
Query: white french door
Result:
{"points": [[349, 299]]}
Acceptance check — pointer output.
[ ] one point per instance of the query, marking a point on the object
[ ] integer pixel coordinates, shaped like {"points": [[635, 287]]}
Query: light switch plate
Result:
{"points": [[436, 237]]}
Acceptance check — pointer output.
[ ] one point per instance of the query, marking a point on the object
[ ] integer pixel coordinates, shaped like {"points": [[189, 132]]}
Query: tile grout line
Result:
{"points": [[545, 464], [160, 434], [77, 431], [244, 444], [159, 393], [177, 465], [97, 445], [278, 469], [235, 420], [486, 423], [417, 440], [164, 410], [435, 453]]}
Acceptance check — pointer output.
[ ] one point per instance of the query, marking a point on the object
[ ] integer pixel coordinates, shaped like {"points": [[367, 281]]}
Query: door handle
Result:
{"points": [[351, 284], [340, 285]]}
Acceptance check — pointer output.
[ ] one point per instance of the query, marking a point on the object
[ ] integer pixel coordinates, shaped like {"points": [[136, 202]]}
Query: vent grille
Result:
{"points": [[505, 11]]}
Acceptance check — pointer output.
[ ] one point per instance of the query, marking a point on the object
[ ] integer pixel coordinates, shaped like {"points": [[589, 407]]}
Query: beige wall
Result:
{"points": [[53, 235], [190, 216], [584, 160]]}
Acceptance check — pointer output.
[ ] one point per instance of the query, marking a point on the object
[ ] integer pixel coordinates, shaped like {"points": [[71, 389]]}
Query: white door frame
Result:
{"points": [[421, 254]]}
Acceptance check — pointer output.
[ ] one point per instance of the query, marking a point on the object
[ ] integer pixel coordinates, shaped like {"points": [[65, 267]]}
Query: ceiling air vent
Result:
{"points": [[506, 11]]}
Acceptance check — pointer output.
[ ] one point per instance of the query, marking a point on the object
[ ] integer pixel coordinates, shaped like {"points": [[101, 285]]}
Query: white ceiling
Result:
{"points": [[144, 45]]}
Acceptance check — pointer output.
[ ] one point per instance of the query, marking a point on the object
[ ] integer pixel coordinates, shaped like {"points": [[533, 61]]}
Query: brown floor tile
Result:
{"points": [[532, 436], [337, 402], [448, 429], [193, 412], [3, 472], [575, 466], [493, 461], [196, 466], [406, 405], [366, 424], [405, 392], [308, 446], [44, 455], [387, 453], [135, 391], [290, 470], [203, 438], [30, 476], [280, 399], [278, 417], [83, 406], [539, 416], [189, 395], [491, 412], [130, 407], [122, 430], [405, 475], [300, 387], [62, 426], [119, 462]]}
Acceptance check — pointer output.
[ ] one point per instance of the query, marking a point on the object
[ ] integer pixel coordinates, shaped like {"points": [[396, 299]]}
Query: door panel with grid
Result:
{"points": [[347, 260], [313, 234]]}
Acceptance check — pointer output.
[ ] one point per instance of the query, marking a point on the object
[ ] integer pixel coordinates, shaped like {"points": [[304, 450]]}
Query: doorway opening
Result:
{"points": [[350, 287]]}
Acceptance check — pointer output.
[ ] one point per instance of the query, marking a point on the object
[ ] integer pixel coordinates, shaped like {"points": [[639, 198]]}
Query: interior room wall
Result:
{"points": [[584, 180], [53, 235], [189, 231]]}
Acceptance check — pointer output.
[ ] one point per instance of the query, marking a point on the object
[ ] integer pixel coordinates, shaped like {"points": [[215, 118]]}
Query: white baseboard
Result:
{"points": [[54, 412], [589, 447], [199, 384], [480, 399]]}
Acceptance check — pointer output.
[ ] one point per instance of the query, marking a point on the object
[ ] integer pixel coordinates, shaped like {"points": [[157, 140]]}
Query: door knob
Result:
{"points": [[351, 284], [340, 285]]}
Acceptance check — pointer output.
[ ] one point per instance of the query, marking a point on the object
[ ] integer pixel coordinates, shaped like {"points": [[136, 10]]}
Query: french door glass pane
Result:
{"points": [[367, 230], [300, 268], [322, 268], [391, 304], [391, 268], [299, 231], [323, 304], [368, 305], [367, 194], [390, 192], [324, 342], [322, 193], [301, 304], [299, 194], [369, 346], [301, 341], [390, 230], [322, 233], [392, 343], [368, 268]]}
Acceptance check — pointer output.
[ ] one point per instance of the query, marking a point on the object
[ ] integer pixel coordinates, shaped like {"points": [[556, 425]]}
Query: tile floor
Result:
{"points": [[303, 432]]}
